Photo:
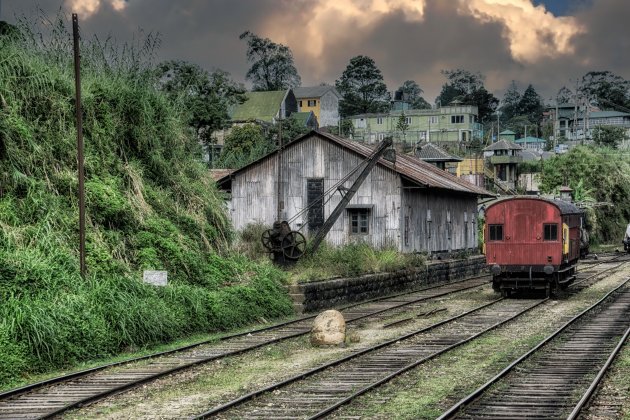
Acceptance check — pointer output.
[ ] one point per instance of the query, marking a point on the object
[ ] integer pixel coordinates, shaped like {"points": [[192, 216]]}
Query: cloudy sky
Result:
{"points": [[549, 43]]}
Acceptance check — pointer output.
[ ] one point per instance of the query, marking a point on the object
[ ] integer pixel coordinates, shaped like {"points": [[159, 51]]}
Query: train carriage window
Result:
{"points": [[551, 232], [496, 232]]}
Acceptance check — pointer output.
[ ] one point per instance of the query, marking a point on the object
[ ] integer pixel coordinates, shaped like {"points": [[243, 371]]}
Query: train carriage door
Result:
{"points": [[565, 240]]}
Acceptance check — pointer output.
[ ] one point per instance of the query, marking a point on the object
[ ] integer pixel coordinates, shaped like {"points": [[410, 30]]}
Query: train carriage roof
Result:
{"points": [[565, 207]]}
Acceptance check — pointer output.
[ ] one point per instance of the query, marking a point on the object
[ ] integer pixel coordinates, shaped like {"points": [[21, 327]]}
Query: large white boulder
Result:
{"points": [[329, 328]]}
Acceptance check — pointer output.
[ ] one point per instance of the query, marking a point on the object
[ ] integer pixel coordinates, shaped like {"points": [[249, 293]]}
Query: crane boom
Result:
{"points": [[345, 199]]}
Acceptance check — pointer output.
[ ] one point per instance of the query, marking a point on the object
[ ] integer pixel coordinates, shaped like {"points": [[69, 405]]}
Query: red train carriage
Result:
{"points": [[532, 243]]}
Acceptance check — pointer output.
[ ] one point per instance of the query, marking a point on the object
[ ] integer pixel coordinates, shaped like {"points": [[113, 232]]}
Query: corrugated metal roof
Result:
{"points": [[565, 207], [503, 145], [314, 91], [412, 168], [530, 139], [431, 153]]}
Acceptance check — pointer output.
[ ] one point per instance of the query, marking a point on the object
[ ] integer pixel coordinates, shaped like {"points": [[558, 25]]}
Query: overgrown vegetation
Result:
{"points": [[150, 205], [600, 179], [352, 260]]}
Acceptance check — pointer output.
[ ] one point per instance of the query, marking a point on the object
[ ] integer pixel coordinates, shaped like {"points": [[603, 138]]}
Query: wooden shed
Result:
{"points": [[408, 204]]}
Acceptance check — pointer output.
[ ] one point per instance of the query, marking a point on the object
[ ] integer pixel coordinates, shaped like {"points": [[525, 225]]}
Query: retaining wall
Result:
{"points": [[325, 294]]}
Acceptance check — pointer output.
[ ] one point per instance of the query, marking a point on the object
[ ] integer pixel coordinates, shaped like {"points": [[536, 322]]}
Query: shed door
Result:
{"points": [[315, 203]]}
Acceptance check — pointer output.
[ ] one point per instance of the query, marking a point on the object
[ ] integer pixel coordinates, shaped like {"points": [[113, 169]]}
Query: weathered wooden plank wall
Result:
{"points": [[399, 216]]}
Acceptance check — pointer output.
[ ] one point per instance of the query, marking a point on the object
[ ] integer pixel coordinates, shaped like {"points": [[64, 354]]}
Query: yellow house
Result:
{"points": [[322, 100], [470, 166]]}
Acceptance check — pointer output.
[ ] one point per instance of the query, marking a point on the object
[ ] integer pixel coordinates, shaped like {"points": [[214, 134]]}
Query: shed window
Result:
{"points": [[496, 232], [551, 232], [359, 221]]}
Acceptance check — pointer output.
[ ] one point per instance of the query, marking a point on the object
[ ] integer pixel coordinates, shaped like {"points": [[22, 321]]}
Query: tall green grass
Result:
{"points": [[150, 205]]}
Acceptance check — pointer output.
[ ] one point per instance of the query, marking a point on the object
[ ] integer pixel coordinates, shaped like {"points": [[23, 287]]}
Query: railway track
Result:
{"points": [[557, 377], [322, 390], [54, 396]]}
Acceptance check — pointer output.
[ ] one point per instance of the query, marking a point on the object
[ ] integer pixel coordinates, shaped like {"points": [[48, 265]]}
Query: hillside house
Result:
{"points": [[578, 124], [322, 100], [263, 108], [408, 204], [448, 124]]}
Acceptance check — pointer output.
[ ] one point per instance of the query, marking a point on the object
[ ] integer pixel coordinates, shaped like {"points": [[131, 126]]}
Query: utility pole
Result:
{"points": [[79, 116], [280, 201], [575, 117]]}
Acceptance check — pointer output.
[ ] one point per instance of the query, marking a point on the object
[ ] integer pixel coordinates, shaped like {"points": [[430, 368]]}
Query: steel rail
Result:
{"points": [[339, 361], [78, 374], [482, 389], [600, 375], [295, 378], [116, 389]]}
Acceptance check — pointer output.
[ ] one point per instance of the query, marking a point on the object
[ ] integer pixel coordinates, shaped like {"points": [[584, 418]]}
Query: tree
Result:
{"points": [[272, 64], [608, 89], [291, 129], [244, 145], [205, 96], [564, 95], [362, 88], [402, 125], [412, 93], [468, 88], [531, 105], [511, 101], [607, 135]]}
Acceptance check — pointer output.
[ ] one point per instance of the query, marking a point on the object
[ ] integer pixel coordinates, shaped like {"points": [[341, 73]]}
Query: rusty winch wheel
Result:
{"points": [[293, 245], [266, 239]]}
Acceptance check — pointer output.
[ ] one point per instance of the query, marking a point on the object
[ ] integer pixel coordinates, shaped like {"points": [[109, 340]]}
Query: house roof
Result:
{"points": [[530, 139], [529, 155], [260, 106], [409, 167], [503, 145], [217, 174], [314, 91], [302, 117], [607, 114], [431, 153], [507, 132]]}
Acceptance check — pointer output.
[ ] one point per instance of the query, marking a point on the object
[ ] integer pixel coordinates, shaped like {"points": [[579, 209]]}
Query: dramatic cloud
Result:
{"points": [[87, 8], [532, 32], [409, 39]]}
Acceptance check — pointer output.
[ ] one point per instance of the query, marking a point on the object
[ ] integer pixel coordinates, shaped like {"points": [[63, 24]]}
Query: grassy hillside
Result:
{"points": [[150, 205]]}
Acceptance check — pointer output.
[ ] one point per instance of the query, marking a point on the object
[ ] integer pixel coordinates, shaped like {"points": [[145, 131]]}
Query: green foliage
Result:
{"points": [[468, 88], [272, 64], [244, 145], [411, 92], [601, 180], [609, 136], [352, 260], [362, 88], [401, 124], [150, 205], [205, 97], [609, 90]]}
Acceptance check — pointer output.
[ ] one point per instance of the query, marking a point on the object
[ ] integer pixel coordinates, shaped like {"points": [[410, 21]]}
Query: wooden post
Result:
{"points": [[79, 116]]}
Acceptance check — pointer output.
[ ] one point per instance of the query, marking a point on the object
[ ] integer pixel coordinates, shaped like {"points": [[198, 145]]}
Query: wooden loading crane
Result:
{"points": [[287, 244]]}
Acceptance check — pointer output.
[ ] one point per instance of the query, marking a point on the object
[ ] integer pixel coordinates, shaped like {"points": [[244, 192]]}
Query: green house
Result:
{"points": [[447, 124]]}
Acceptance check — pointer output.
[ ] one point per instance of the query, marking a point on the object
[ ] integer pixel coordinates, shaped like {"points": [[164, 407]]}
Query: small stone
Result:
{"points": [[329, 328]]}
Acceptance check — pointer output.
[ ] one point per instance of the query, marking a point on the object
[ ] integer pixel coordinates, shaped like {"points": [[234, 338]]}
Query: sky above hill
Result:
{"points": [[549, 43]]}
